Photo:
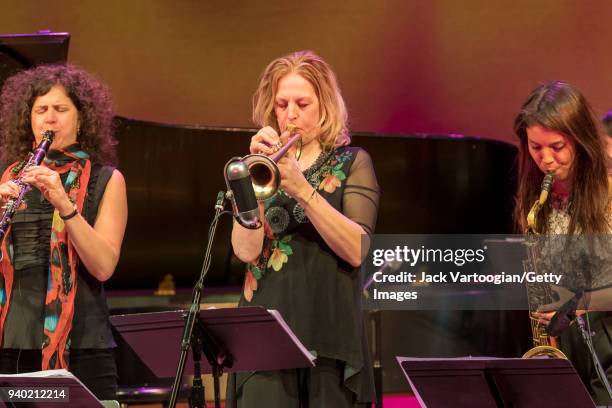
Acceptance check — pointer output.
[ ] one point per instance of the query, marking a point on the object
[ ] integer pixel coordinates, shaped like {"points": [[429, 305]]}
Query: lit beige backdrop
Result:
{"points": [[405, 66]]}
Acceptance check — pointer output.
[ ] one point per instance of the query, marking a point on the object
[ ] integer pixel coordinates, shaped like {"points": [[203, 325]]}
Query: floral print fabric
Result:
{"points": [[326, 175]]}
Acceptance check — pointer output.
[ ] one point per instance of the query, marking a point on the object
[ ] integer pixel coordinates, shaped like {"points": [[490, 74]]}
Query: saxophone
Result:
{"points": [[13, 203], [544, 345]]}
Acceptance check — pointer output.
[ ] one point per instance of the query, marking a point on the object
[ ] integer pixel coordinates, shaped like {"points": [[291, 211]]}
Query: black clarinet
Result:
{"points": [[13, 203]]}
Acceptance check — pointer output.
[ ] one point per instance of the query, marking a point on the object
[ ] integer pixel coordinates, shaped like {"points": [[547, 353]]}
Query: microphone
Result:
{"points": [[220, 203], [564, 316], [386, 268], [241, 193]]}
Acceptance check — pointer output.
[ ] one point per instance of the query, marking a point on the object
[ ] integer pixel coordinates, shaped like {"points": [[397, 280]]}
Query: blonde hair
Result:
{"points": [[333, 117]]}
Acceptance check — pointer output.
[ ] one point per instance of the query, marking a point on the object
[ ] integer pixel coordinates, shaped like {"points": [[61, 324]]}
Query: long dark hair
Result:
{"points": [[91, 98], [560, 107]]}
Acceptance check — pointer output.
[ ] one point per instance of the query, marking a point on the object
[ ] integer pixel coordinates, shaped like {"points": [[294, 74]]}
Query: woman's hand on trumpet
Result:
{"points": [[293, 181], [266, 141]]}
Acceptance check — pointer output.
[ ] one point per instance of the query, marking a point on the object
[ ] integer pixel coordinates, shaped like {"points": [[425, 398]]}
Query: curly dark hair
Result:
{"points": [[91, 98]]}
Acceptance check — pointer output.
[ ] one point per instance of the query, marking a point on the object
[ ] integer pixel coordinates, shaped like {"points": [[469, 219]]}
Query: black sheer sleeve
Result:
{"points": [[362, 193]]}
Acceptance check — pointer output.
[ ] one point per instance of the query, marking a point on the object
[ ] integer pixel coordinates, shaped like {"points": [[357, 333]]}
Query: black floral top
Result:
{"points": [[297, 274]]}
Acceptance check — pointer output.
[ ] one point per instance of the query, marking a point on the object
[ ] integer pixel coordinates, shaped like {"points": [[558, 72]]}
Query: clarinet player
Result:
{"points": [[66, 241]]}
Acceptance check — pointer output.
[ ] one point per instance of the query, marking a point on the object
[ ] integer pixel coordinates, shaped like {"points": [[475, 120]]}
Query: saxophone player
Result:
{"points": [[557, 133], [66, 242]]}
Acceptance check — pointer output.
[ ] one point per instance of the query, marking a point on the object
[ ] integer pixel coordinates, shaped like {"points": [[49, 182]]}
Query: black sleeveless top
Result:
{"points": [[31, 235]]}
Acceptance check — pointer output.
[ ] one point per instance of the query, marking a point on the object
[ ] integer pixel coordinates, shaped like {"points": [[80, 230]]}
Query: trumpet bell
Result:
{"points": [[263, 169], [264, 175]]}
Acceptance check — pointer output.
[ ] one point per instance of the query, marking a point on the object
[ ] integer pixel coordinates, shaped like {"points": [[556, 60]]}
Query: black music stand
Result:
{"points": [[235, 339], [78, 395], [495, 382]]}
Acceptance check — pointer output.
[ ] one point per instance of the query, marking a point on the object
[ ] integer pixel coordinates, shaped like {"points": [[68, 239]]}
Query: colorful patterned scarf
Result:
{"points": [[61, 284]]}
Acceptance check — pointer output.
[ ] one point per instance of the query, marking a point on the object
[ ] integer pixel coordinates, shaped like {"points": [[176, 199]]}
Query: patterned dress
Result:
{"points": [[597, 275], [318, 293]]}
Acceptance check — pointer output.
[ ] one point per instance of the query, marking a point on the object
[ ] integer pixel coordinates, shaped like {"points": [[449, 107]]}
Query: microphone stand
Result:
{"points": [[587, 335], [194, 339], [562, 320]]}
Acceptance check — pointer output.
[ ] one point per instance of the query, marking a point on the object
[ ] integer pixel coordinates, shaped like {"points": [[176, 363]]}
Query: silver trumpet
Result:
{"points": [[264, 171], [256, 177], [13, 203]]}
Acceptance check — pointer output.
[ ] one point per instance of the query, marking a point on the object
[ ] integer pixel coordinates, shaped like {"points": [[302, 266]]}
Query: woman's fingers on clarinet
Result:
{"points": [[34, 170], [30, 178], [40, 181], [9, 189], [6, 194], [48, 182], [13, 187], [30, 174]]}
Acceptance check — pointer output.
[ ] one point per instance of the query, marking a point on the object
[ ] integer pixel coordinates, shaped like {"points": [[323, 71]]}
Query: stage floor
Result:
{"points": [[389, 401]]}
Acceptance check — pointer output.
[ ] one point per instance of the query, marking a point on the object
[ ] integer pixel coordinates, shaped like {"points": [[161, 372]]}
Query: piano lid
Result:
{"points": [[429, 183]]}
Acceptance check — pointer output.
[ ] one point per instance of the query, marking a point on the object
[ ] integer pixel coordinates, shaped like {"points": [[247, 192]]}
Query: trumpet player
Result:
{"points": [[557, 133], [304, 260], [66, 242]]}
